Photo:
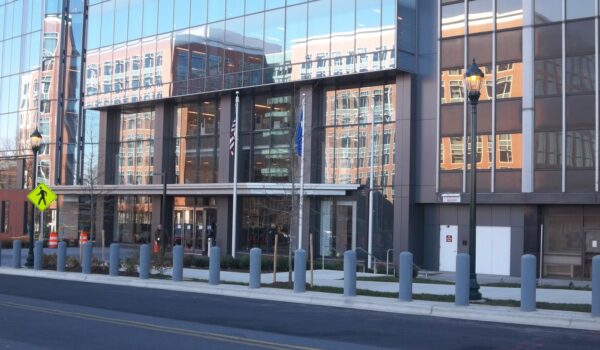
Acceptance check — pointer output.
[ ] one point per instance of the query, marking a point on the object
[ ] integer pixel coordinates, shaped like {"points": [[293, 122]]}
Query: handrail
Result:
{"points": [[372, 256]]}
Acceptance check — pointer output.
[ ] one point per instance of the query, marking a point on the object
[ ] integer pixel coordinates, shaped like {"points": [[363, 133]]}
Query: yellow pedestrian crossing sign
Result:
{"points": [[41, 197]]}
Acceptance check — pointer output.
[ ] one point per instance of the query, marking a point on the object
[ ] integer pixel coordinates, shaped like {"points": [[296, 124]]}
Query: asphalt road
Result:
{"points": [[38, 313]]}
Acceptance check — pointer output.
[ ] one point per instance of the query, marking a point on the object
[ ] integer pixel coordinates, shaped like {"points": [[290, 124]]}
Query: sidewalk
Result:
{"points": [[511, 315]]}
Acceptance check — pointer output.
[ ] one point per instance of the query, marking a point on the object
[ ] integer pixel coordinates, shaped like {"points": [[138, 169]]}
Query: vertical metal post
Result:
{"points": [[29, 262], [461, 295], [163, 212], [596, 286], [300, 271], [528, 265], [177, 273], [61, 256], [144, 272], [86, 265], [371, 184], [37, 257], [16, 258], [301, 201], [255, 257], [406, 278], [235, 173], [214, 266], [349, 273], [114, 259], [474, 293]]}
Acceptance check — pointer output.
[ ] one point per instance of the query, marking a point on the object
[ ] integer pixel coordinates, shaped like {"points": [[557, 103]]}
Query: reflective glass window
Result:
{"points": [[580, 8], [480, 16], [198, 12], [165, 20], [234, 39], [108, 12], [235, 8], [93, 36], [368, 22], [182, 14], [274, 36], [295, 34], [150, 17], [453, 19], [135, 19], [509, 14], [216, 10], [253, 6], [547, 11], [121, 16], [271, 4]]}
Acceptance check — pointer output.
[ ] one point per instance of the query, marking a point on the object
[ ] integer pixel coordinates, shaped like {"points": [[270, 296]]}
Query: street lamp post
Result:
{"points": [[163, 202], [473, 80], [36, 140]]}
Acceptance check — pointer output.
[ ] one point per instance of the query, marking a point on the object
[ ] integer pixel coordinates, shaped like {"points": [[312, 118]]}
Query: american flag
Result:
{"points": [[232, 139]]}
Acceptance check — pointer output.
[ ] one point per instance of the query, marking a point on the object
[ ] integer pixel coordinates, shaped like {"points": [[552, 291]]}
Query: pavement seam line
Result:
{"points": [[149, 326]]}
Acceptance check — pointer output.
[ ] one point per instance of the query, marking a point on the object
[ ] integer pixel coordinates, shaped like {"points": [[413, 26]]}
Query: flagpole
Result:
{"points": [[301, 205], [235, 172]]}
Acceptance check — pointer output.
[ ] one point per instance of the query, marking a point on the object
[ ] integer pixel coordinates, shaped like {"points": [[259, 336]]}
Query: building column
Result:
{"points": [[407, 217], [163, 162], [528, 111]]}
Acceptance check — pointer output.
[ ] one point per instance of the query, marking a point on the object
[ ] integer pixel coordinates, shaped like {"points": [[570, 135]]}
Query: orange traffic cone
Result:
{"points": [[155, 247]]}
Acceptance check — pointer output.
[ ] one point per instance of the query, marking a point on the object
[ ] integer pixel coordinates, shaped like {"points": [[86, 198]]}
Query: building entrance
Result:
{"points": [[193, 224]]}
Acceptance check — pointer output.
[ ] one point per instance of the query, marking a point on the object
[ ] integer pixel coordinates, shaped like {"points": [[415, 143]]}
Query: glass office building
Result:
{"points": [[136, 100]]}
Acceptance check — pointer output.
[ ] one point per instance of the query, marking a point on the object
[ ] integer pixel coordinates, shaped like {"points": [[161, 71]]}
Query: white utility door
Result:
{"points": [[448, 247], [493, 250]]}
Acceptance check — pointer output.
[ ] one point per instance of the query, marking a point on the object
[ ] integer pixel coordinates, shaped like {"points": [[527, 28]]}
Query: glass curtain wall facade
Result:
{"points": [[149, 49], [357, 136], [494, 40]]}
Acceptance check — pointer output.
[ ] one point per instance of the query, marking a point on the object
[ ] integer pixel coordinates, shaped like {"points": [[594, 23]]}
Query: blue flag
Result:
{"points": [[299, 135]]}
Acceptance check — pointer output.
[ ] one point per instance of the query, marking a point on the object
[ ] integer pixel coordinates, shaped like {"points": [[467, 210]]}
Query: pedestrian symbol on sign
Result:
{"points": [[41, 197]]}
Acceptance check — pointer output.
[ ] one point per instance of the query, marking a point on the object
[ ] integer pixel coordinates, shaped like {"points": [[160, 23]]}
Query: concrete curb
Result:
{"points": [[511, 315]]}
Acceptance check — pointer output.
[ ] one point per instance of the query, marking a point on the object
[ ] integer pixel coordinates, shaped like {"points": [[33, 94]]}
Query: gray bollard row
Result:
{"points": [[114, 260], [528, 282], [177, 274], [86, 264], [214, 266], [596, 286], [461, 297], [406, 276], [16, 258], [61, 257], [144, 261], [349, 273], [300, 271], [38, 251], [255, 265]]}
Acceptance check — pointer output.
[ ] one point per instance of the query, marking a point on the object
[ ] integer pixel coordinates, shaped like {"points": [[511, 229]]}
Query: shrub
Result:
{"points": [[244, 262], [130, 264], [188, 260], [200, 261], [72, 264], [99, 266], [160, 262], [228, 262], [49, 261]]}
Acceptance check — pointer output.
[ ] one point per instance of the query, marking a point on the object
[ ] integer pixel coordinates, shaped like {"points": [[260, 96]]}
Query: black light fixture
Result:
{"points": [[36, 140], [473, 80]]}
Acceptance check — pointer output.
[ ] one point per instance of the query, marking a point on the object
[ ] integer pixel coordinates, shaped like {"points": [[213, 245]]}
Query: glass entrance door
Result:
{"points": [[338, 227]]}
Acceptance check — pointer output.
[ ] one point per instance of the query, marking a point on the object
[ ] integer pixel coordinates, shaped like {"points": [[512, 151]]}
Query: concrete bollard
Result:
{"points": [[114, 259], [300, 271], [214, 266], [144, 261], [86, 264], [596, 286], [528, 282], [177, 273], [255, 257], [61, 257], [349, 273], [38, 251], [461, 297], [16, 258], [406, 276]]}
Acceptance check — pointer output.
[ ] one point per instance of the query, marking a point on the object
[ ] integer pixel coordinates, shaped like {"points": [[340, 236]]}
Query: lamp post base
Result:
{"points": [[29, 261], [474, 293]]}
